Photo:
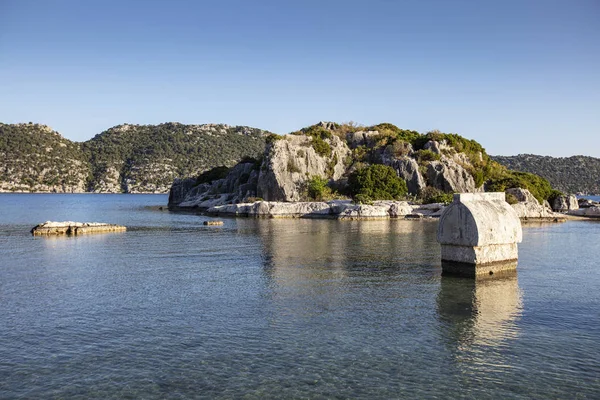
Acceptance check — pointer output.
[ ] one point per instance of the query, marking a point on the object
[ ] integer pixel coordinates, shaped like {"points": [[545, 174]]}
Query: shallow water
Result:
{"points": [[284, 309]]}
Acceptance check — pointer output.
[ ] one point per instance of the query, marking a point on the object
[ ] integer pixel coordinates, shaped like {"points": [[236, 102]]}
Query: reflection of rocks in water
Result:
{"points": [[312, 255], [480, 311]]}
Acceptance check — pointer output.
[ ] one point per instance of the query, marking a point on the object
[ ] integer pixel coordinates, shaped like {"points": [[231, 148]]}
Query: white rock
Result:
{"points": [[365, 211], [292, 160], [565, 203], [586, 212], [533, 210], [522, 195]]}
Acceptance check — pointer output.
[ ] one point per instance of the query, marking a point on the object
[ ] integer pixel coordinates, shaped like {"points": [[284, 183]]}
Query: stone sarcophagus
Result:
{"points": [[478, 233]]}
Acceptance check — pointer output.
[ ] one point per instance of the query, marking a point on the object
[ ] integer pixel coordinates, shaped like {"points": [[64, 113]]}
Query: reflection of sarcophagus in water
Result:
{"points": [[478, 233], [480, 311]]}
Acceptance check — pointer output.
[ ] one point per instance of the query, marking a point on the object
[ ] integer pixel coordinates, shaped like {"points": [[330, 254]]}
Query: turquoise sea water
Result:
{"points": [[284, 309]]}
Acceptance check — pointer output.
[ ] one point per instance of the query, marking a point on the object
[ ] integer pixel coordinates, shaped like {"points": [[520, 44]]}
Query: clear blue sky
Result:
{"points": [[518, 76]]}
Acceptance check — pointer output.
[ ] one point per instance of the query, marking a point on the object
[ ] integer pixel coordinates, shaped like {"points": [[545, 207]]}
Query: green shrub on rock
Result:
{"points": [[318, 190], [321, 147], [272, 138], [431, 195], [292, 167], [554, 195], [212, 175], [319, 134], [427, 155], [399, 134], [539, 187], [376, 182], [510, 198]]}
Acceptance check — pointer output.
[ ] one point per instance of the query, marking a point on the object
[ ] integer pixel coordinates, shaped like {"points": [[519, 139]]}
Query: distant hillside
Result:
{"points": [[568, 174], [33, 157], [147, 158], [125, 158]]}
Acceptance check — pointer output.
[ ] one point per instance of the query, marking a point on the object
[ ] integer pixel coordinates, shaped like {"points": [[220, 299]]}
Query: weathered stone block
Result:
{"points": [[478, 230]]}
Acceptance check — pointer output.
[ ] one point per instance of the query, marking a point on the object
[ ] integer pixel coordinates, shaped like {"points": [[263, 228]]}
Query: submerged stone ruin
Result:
{"points": [[74, 228], [478, 233]]}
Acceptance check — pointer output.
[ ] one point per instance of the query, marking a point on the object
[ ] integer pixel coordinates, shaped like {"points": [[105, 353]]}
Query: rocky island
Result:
{"points": [[344, 171]]}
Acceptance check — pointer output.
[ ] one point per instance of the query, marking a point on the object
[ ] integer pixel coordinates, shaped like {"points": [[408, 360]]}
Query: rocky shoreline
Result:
{"points": [[527, 211], [335, 209]]}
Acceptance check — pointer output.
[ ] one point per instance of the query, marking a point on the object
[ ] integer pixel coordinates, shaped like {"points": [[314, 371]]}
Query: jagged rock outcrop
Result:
{"points": [[585, 203], [361, 138], [181, 189], [565, 203], [449, 176], [292, 160], [239, 185], [437, 146], [407, 168], [528, 208], [288, 164], [522, 195]]}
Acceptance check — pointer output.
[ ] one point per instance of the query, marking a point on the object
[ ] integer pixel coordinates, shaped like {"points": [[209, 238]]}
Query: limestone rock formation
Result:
{"points": [[336, 209], [108, 179], [407, 168], [528, 208], [449, 176], [565, 203], [333, 152], [585, 203], [522, 195], [361, 138], [531, 210], [437, 146], [291, 161], [239, 184], [593, 212], [180, 189]]}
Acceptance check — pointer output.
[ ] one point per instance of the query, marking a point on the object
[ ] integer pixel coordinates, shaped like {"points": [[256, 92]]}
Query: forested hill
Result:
{"points": [[125, 158], [576, 174], [34, 157]]}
